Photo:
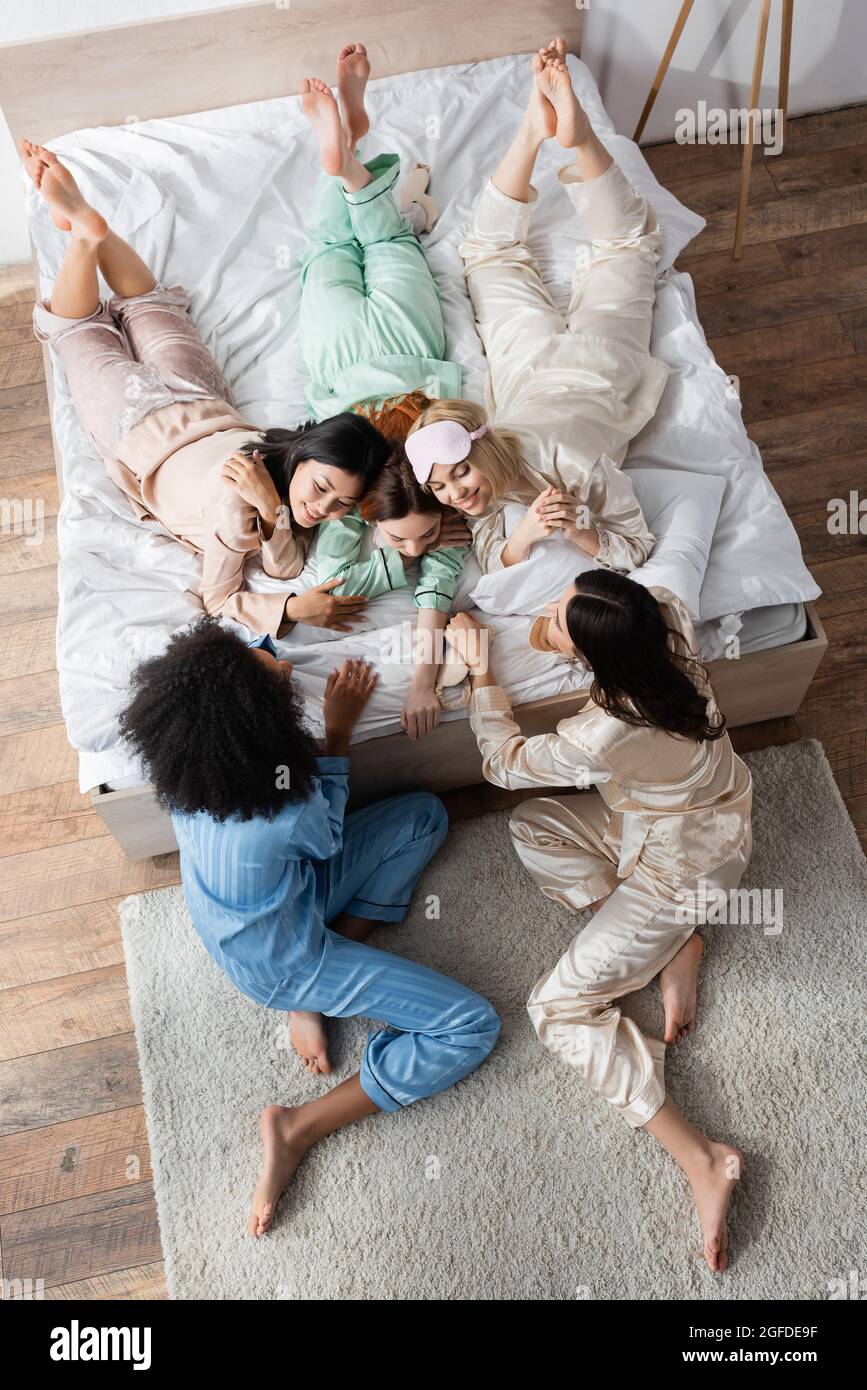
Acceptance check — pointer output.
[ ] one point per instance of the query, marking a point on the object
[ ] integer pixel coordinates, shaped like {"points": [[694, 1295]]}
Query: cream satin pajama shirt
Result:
{"points": [[575, 388], [667, 813]]}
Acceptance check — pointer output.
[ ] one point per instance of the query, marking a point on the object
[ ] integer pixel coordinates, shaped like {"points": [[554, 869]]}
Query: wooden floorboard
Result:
{"points": [[789, 319], [803, 486], [69, 1083], [83, 1236]]}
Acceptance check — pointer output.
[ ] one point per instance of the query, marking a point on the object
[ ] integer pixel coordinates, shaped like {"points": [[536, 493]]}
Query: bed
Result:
{"points": [[218, 201]]}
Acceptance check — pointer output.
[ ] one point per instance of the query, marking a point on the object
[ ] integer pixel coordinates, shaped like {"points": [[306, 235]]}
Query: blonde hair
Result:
{"points": [[497, 455]]}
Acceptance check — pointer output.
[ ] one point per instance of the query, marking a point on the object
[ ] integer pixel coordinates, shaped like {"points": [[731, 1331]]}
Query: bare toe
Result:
{"points": [[283, 1147], [712, 1186], [353, 71], [309, 1039]]}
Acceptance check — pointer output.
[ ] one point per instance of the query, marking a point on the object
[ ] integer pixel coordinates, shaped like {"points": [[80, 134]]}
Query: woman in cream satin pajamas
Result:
{"points": [[567, 392], [670, 809]]}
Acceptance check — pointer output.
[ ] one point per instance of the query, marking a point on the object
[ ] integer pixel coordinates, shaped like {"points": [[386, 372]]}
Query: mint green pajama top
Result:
{"points": [[340, 548], [370, 317]]}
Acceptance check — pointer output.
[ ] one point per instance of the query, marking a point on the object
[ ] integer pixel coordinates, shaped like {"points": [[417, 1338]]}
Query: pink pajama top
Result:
{"points": [[169, 467]]}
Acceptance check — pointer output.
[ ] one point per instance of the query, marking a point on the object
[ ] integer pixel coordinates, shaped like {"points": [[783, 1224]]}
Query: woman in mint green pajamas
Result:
{"points": [[372, 333], [371, 322]]}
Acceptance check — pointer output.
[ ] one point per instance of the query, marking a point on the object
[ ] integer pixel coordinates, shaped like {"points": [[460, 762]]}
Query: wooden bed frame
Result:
{"points": [[251, 52]]}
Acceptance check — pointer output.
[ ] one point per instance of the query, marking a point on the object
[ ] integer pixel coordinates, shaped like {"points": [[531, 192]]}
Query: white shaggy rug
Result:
{"points": [[519, 1183]]}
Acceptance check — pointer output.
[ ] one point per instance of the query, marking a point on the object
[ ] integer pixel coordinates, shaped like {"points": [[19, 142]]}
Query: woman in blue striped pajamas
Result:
{"points": [[283, 888]]}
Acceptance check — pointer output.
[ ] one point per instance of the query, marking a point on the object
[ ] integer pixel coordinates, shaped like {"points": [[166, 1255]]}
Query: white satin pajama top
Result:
{"points": [[678, 808]]}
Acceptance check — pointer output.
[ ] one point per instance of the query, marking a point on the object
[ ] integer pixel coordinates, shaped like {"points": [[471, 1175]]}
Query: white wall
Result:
{"points": [[21, 20], [623, 43]]}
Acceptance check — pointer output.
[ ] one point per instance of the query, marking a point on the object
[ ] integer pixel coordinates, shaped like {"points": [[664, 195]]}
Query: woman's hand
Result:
{"points": [[572, 518], [421, 712], [578, 528], [320, 608], [541, 519], [251, 480], [347, 691], [469, 640], [454, 533]]}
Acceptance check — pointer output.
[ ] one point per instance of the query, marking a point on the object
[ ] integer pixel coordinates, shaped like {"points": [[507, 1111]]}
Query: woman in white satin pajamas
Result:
{"points": [[567, 392], [670, 809]]}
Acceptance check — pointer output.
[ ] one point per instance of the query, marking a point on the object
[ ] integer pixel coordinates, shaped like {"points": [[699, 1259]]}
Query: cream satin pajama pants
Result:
{"points": [[566, 844], [541, 361]]}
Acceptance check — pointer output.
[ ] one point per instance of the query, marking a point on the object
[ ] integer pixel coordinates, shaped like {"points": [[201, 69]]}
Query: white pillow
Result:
{"points": [[681, 510]]}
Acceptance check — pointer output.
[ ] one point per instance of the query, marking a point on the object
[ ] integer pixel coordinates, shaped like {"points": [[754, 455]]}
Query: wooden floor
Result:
{"points": [[790, 319]]}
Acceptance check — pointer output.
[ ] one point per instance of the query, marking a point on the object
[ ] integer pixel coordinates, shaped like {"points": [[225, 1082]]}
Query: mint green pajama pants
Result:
{"points": [[371, 321]]}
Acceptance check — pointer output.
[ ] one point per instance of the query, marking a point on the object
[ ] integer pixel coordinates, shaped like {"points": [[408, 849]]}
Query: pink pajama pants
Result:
{"points": [[129, 358]]}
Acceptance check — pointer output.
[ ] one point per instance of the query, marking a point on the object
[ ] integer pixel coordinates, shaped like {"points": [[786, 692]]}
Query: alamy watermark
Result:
{"points": [[23, 516], [738, 126], [709, 905], [26, 1290], [847, 516], [77, 1343], [405, 644], [854, 1286]]}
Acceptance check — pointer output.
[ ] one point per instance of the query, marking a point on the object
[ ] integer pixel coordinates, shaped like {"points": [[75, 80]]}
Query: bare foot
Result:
{"points": [[69, 211], [553, 81], [541, 118], [307, 1032], [712, 1185], [353, 70], [284, 1147], [320, 108], [679, 985]]}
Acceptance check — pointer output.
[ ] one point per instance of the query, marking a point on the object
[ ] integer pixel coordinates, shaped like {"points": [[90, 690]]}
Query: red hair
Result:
{"points": [[395, 418]]}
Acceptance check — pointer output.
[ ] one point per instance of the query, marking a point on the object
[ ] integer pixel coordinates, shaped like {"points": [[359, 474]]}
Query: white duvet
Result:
{"points": [[219, 203]]}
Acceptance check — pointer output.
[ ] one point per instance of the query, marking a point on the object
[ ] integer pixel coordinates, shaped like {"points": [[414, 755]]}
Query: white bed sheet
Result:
{"points": [[219, 202]]}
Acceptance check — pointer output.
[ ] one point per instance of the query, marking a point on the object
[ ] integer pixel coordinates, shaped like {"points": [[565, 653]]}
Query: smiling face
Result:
{"points": [[318, 492], [412, 535], [461, 486], [550, 633]]}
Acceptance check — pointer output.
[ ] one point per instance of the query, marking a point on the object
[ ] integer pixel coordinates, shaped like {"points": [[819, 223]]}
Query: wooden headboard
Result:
{"points": [[224, 57]]}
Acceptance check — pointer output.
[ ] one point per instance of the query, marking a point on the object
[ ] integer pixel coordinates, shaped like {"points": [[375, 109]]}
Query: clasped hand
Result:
{"points": [[251, 480]]}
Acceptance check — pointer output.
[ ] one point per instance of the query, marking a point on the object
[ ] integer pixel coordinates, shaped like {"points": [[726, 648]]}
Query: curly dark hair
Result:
{"points": [[214, 727], [643, 671]]}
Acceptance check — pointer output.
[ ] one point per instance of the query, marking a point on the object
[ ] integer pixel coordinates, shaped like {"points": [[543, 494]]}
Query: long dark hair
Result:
{"points": [[346, 441], [643, 671], [396, 493], [214, 728]]}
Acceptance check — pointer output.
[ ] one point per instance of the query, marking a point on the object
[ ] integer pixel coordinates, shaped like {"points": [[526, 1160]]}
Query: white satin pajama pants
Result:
{"points": [[585, 378], [634, 934]]}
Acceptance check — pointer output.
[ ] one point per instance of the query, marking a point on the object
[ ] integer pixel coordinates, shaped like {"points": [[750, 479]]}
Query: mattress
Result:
{"points": [[757, 631], [219, 202]]}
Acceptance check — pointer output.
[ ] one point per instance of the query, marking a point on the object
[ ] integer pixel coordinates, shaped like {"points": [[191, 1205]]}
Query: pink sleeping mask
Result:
{"points": [[446, 442]]}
